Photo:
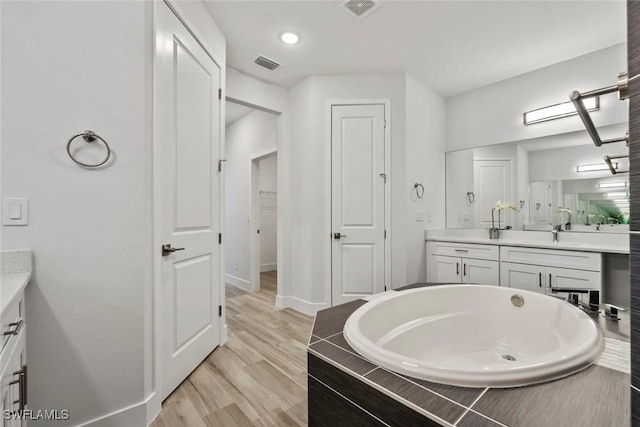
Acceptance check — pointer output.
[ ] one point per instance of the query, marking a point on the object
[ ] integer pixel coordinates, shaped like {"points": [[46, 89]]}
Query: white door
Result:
{"points": [[445, 269], [188, 138], [492, 182], [522, 276], [480, 272], [357, 201], [540, 203]]}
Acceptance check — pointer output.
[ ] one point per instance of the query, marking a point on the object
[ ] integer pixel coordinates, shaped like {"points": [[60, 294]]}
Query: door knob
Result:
{"points": [[338, 235], [168, 250]]}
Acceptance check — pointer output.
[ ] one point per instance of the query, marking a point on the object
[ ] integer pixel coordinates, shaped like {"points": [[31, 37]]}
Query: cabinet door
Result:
{"points": [[480, 272], [10, 388], [572, 279], [445, 269], [523, 276]]}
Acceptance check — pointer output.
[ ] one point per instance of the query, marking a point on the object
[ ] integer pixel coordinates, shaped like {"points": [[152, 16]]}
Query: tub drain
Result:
{"points": [[509, 357]]}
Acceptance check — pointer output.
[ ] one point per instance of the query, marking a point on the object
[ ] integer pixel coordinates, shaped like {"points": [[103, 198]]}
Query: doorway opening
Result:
{"points": [[251, 190]]}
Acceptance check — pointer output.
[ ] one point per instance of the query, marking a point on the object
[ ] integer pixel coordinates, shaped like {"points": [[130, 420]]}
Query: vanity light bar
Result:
{"points": [[557, 111], [617, 194], [598, 167], [612, 184]]}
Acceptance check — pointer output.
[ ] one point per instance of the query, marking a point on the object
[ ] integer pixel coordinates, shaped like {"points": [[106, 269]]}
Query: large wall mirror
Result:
{"points": [[556, 180]]}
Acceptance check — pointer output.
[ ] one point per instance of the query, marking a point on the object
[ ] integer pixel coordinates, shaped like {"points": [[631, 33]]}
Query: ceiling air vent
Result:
{"points": [[360, 8], [267, 63]]}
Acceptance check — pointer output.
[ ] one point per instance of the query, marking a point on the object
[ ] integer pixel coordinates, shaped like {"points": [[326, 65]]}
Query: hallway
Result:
{"points": [[258, 378]]}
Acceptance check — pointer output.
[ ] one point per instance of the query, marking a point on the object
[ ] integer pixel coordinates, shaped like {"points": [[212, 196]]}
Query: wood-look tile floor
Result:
{"points": [[258, 378]]}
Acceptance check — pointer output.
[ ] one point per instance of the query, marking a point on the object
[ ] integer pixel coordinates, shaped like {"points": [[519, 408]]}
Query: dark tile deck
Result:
{"points": [[594, 397]]}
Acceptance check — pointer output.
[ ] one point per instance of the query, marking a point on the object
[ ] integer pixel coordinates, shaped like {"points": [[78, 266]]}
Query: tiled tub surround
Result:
{"points": [[344, 387]]}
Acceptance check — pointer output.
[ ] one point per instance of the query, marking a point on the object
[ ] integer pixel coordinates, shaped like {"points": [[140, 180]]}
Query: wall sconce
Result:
{"points": [[597, 167], [558, 111], [612, 184], [616, 194]]}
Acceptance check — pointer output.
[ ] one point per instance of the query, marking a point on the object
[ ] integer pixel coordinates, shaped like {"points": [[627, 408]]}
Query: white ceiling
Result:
{"points": [[452, 46]]}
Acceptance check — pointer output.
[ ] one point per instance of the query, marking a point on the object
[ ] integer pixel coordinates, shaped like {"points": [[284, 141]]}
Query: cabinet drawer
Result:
{"points": [[464, 250], [11, 321], [552, 257], [573, 279]]}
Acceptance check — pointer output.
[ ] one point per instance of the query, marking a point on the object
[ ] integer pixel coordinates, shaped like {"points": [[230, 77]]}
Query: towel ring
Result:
{"points": [[89, 136]]}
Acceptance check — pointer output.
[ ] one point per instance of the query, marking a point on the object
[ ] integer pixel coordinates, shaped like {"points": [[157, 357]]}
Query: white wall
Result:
{"points": [[65, 68], [417, 155], [310, 241], [246, 138], [249, 90], [425, 146], [522, 188], [493, 114], [459, 176], [268, 185], [560, 164]]}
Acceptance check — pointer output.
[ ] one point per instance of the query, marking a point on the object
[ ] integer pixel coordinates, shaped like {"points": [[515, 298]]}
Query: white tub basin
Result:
{"points": [[474, 336]]}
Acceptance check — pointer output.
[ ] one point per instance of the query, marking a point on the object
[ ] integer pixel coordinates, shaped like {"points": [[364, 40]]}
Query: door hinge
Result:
{"points": [[385, 234], [220, 164], [219, 238], [220, 93], [220, 311], [385, 288]]}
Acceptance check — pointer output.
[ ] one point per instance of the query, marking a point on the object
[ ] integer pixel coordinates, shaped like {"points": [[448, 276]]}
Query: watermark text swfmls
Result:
{"points": [[37, 415]]}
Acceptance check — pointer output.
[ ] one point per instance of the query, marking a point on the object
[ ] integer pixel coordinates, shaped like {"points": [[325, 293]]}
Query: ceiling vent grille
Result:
{"points": [[360, 9], [267, 63]]}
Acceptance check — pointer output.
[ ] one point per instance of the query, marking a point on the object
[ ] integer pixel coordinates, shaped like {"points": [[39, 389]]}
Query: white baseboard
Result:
{"points": [[134, 415], [224, 335], [268, 267], [245, 285], [300, 305]]}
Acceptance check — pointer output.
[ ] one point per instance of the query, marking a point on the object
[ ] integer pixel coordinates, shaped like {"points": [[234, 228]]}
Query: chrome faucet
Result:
{"points": [[573, 297], [555, 231]]}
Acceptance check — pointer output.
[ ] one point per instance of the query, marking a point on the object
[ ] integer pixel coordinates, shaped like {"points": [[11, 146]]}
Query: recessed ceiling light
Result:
{"points": [[289, 38]]}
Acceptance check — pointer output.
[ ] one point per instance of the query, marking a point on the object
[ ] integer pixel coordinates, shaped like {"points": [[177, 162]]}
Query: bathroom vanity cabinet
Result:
{"points": [[462, 263], [521, 267], [13, 370], [540, 270]]}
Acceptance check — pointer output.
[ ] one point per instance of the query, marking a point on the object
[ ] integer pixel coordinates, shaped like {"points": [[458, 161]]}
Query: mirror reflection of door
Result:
{"points": [[492, 183], [540, 203]]}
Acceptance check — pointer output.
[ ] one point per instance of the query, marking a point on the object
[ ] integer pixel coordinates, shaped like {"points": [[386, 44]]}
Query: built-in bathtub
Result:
{"points": [[475, 336]]}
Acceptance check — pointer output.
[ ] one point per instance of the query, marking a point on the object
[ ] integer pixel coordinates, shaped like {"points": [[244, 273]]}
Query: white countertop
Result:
{"points": [[617, 245], [11, 287]]}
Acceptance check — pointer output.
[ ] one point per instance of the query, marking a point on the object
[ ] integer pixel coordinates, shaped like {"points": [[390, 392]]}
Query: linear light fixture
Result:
{"points": [[612, 184], [558, 111], [617, 194], [597, 167]]}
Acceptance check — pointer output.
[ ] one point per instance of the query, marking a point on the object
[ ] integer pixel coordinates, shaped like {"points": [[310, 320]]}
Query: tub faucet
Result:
{"points": [[573, 297]]}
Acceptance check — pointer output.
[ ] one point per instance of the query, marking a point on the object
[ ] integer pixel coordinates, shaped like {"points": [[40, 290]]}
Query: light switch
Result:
{"points": [[15, 211], [419, 215]]}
